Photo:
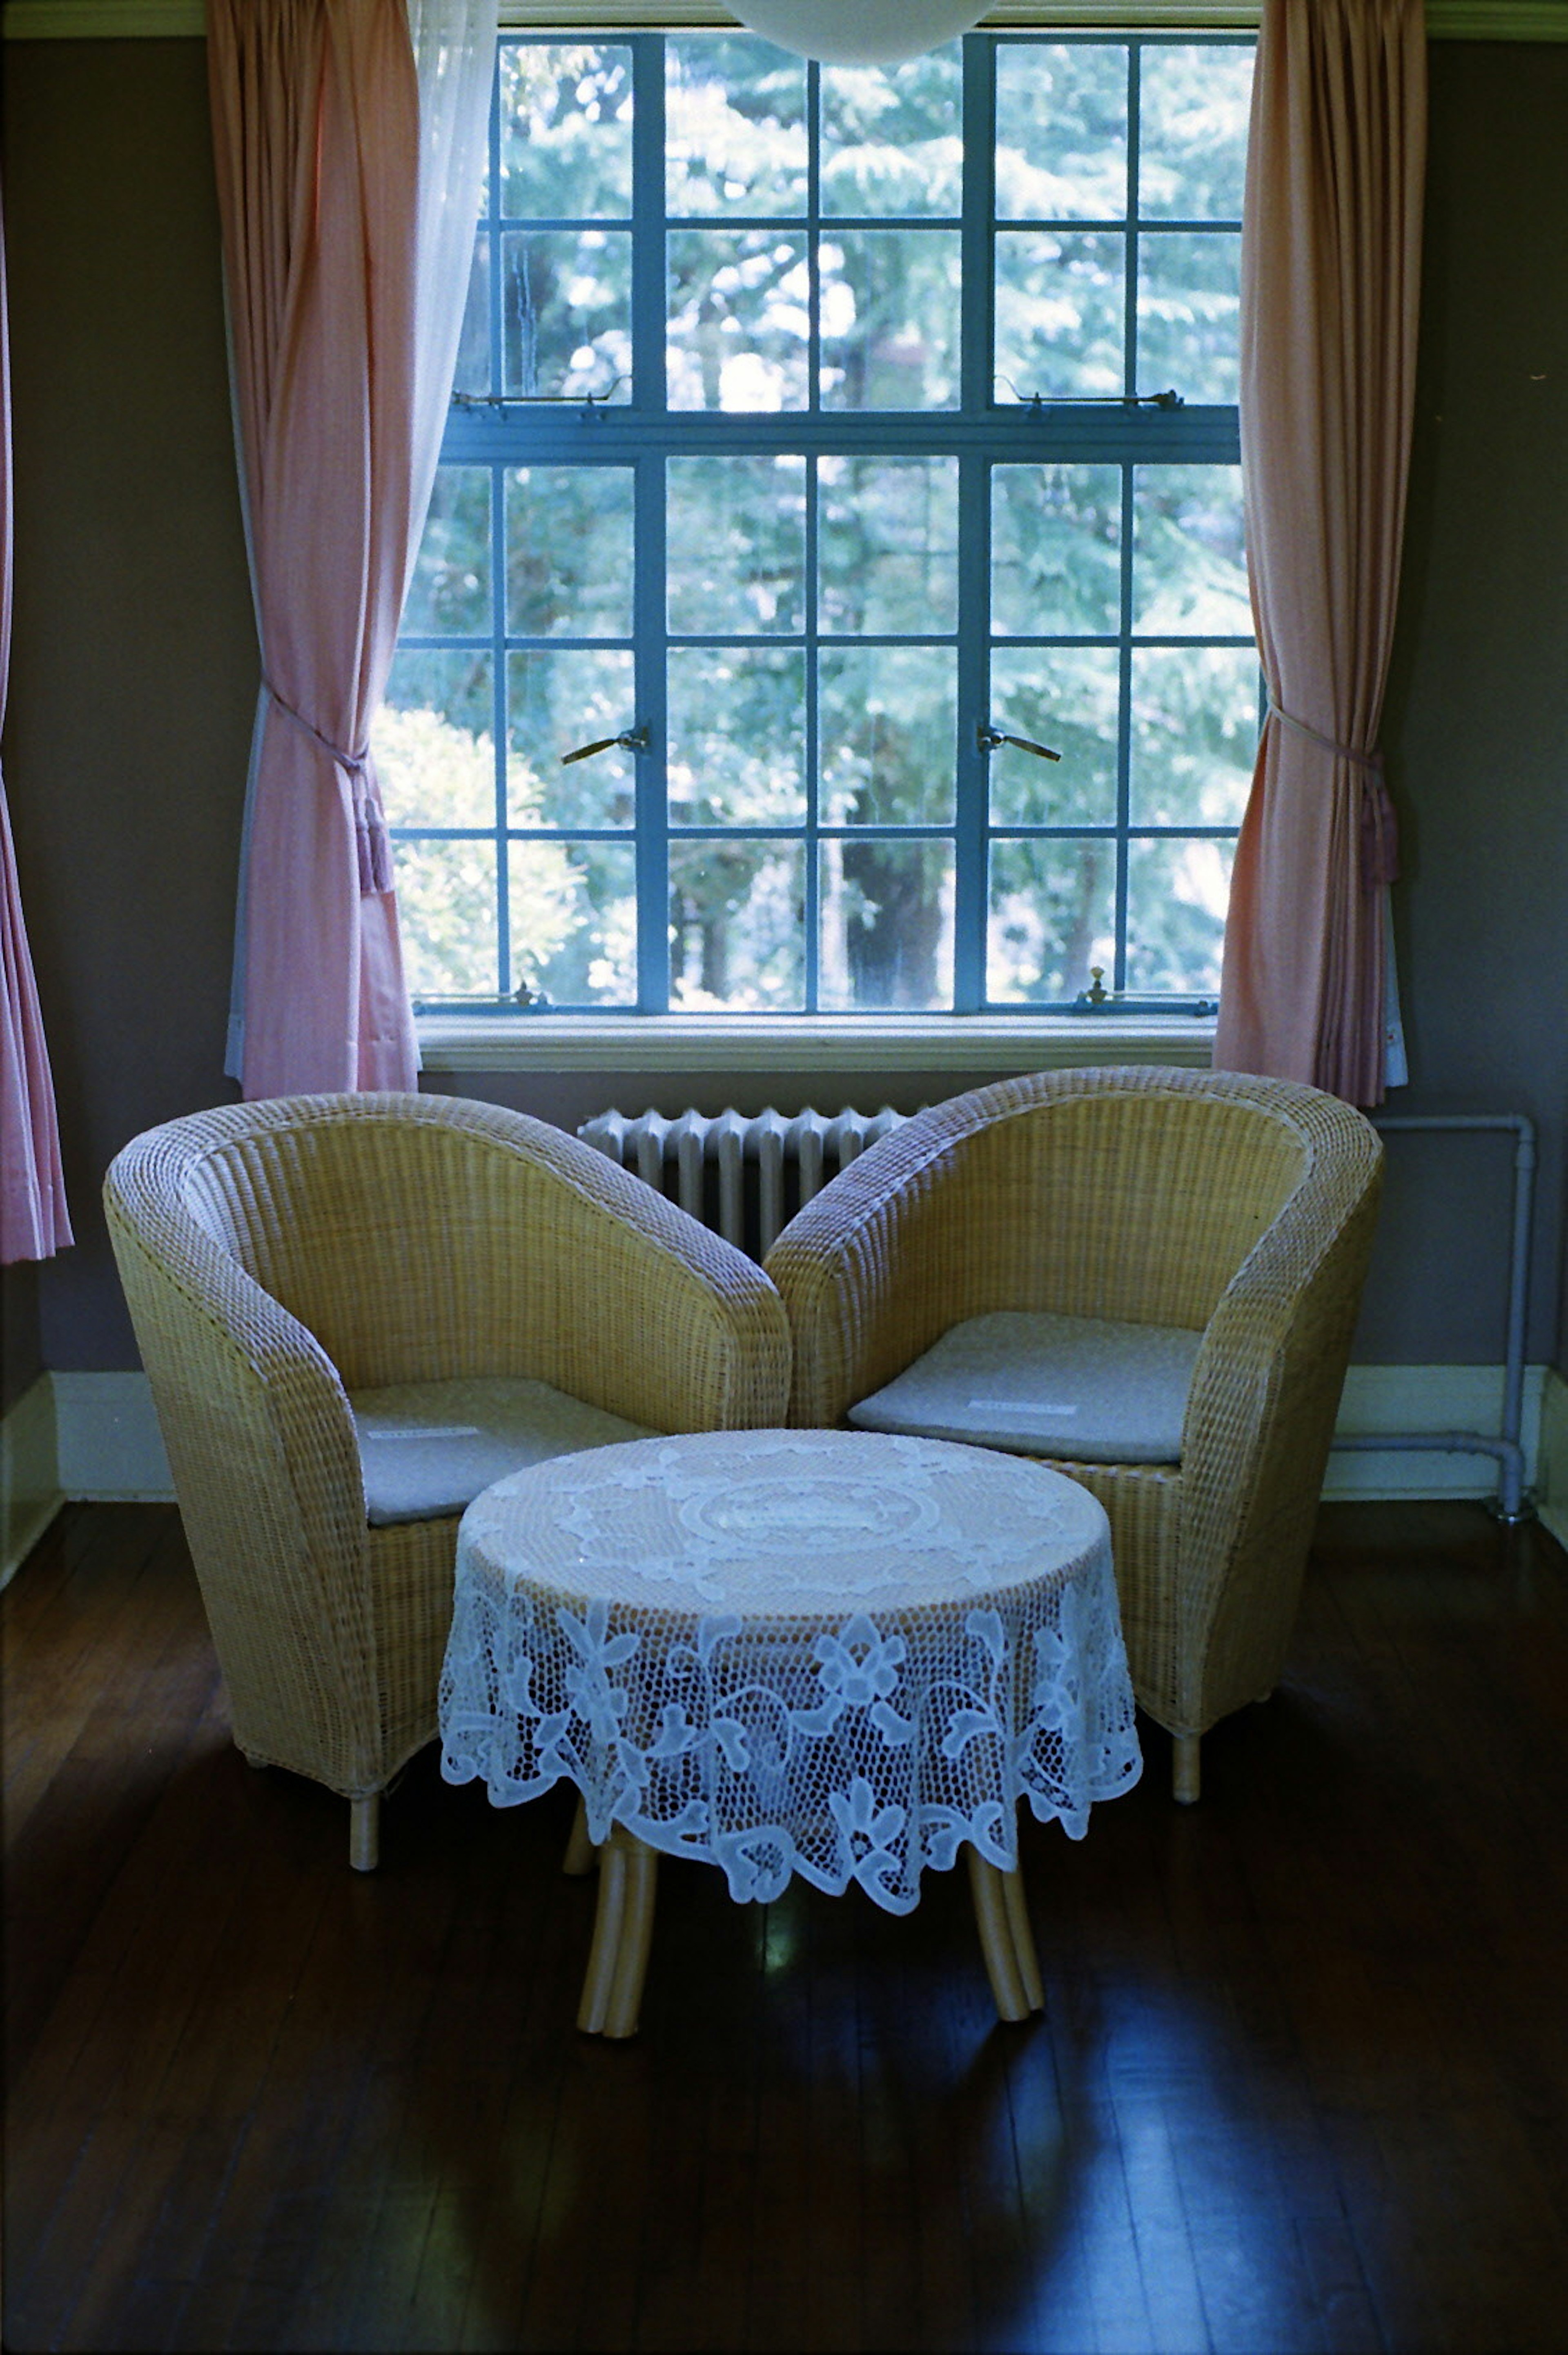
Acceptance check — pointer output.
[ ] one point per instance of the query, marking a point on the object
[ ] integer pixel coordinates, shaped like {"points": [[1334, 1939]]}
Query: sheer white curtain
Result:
{"points": [[455, 58]]}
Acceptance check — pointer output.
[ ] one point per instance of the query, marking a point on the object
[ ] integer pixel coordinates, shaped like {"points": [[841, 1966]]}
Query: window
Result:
{"points": [[833, 596]]}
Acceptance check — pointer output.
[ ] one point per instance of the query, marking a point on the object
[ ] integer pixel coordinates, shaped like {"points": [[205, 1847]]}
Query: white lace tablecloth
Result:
{"points": [[839, 1653]]}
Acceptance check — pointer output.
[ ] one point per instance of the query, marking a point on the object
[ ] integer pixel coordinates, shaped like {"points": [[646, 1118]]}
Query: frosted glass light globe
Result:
{"points": [[859, 32]]}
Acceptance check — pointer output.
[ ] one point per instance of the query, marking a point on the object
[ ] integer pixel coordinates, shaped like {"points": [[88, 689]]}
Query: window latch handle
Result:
{"points": [[632, 740], [989, 737]]}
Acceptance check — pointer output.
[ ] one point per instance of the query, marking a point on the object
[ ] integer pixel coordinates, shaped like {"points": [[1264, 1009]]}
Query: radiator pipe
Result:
{"points": [[1512, 1505]]}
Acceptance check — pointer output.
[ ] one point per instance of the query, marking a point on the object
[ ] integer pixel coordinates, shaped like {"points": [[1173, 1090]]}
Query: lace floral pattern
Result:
{"points": [[817, 1652]]}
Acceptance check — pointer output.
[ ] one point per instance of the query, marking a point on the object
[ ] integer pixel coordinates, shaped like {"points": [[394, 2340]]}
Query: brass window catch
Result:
{"points": [[633, 739], [989, 737]]}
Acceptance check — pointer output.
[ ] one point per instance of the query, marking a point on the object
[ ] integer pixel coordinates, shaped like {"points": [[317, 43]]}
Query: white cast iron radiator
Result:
{"points": [[704, 1164]]}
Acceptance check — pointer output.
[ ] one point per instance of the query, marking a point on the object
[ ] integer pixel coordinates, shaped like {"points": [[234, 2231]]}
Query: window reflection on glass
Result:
{"points": [[892, 136], [890, 318], [1176, 894], [1059, 326], [737, 925], [1192, 136], [1052, 917], [569, 551], [1195, 734], [887, 545], [556, 700], [735, 139], [432, 739], [566, 130], [573, 910], [735, 544], [1068, 697], [737, 736], [738, 320], [1188, 312], [1056, 551], [450, 589], [887, 726], [886, 924], [1062, 132], [1190, 566], [566, 314], [446, 917]]}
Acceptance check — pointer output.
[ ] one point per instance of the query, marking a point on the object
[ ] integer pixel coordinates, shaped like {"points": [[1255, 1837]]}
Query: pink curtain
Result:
{"points": [[33, 1221], [316, 132], [1330, 272]]}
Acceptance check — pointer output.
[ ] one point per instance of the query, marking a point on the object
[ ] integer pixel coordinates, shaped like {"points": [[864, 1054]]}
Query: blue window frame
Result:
{"points": [[827, 449]]}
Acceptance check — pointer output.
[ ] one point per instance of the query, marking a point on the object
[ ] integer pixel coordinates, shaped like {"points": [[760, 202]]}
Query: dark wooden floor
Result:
{"points": [[1302, 2080]]}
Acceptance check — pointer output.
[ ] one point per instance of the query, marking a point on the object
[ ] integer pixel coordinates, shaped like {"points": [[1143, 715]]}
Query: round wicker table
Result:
{"points": [[841, 1654]]}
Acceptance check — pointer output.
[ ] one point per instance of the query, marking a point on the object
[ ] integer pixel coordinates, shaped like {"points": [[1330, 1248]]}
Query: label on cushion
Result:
{"points": [[427, 1449], [1092, 1389]]}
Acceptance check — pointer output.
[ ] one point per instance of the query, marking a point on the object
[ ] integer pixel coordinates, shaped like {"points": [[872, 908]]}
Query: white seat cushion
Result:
{"points": [[426, 1449], [1084, 1388]]}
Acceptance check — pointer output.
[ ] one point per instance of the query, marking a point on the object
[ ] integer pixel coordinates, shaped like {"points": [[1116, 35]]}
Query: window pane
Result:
{"points": [[890, 318], [892, 136], [1065, 696], [887, 925], [446, 917], [734, 127], [1195, 734], [1059, 330], [555, 702], [472, 373], [1192, 137], [451, 585], [738, 320], [737, 925], [735, 538], [887, 545], [574, 921], [737, 737], [1190, 567], [565, 312], [566, 132], [1052, 917], [569, 551], [887, 728], [434, 750], [1177, 896], [1062, 132], [1190, 293], [1056, 551]]}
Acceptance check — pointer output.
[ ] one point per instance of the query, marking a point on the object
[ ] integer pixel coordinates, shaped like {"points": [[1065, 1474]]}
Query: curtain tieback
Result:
{"points": [[370, 839], [1380, 826]]}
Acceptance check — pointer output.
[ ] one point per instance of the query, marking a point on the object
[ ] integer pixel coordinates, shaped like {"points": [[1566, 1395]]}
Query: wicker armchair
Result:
{"points": [[1240, 1208], [279, 1255]]}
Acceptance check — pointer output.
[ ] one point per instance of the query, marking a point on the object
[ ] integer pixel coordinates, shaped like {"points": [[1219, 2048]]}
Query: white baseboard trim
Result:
{"points": [[95, 1436], [1389, 1399], [1551, 1478], [30, 1493]]}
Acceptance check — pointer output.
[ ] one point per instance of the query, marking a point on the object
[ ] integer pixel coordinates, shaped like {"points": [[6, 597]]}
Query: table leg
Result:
{"points": [[1005, 1939], [582, 1856], [623, 1929]]}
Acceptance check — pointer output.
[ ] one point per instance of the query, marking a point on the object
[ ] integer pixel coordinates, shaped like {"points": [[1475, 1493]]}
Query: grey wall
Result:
{"points": [[135, 670]]}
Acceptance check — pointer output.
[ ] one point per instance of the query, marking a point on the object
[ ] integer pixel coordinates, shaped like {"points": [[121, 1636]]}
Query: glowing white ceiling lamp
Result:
{"points": [[858, 32]]}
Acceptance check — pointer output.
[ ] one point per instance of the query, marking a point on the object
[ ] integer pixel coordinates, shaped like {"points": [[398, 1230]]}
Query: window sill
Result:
{"points": [[999, 1044]]}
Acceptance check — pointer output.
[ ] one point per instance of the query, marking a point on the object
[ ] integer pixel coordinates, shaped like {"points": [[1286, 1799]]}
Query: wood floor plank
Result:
{"points": [[1301, 2082]]}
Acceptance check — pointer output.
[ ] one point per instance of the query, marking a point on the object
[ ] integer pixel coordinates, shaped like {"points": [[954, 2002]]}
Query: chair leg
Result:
{"points": [[994, 1918], [623, 1929], [582, 1856], [1186, 1769], [365, 1832]]}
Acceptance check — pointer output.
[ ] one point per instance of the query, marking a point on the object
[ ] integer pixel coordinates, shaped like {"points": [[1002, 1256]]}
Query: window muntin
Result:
{"points": [[754, 464]]}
